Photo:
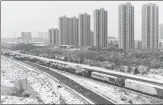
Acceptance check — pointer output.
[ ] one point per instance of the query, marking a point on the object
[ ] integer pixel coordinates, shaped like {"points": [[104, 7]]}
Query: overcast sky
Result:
{"points": [[39, 16]]}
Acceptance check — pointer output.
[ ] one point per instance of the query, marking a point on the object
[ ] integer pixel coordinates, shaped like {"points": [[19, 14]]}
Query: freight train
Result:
{"points": [[143, 87]]}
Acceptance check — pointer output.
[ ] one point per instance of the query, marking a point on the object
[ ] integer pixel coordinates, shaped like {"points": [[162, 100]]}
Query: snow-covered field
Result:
{"points": [[41, 88], [114, 93]]}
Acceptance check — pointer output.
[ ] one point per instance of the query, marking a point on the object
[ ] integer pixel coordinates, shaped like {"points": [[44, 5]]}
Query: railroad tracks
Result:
{"points": [[140, 94], [62, 100], [152, 98]]}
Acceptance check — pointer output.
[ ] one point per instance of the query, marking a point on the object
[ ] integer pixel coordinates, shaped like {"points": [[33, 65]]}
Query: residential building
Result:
{"points": [[26, 37], [126, 26], [54, 36], [84, 30], [68, 31], [150, 13], [100, 28]]}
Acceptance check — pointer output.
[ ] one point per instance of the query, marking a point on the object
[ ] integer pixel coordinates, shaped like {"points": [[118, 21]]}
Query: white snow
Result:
{"points": [[114, 93], [42, 88], [156, 76], [17, 100]]}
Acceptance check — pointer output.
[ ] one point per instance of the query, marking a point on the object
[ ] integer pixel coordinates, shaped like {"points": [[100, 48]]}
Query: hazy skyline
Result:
{"points": [[39, 16]]}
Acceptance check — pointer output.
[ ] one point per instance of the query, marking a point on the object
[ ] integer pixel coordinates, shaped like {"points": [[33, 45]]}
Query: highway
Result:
{"points": [[97, 99]]}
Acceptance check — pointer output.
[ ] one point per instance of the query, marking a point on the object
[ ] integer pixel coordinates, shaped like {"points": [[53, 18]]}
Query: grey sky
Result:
{"points": [[39, 16]]}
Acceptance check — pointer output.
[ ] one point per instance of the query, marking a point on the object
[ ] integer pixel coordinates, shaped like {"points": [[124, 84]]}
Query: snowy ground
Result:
{"points": [[42, 89], [114, 93], [156, 76]]}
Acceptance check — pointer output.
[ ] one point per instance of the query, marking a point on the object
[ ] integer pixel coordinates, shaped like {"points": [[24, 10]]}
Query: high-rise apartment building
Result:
{"points": [[150, 26], [126, 26], [43, 36], [138, 44], [75, 31], [161, 32], [68, 30], [26, 36], [100, 28], [50, 36], [84, 30], [91, 38], [63, 30], [53, 36]]}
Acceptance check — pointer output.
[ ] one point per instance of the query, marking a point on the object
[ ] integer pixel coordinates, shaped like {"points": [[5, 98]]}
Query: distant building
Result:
{"points": [[50, 36], [43, 36], [150, 13], [161, 44], [126, 26], [26, 36], [100, 28], [39, 44], [138, 44], [53, 36], [68, 31], [112, 40], [91, 38], [84, 30], [40, 35], [161, 32], [75, 31]]}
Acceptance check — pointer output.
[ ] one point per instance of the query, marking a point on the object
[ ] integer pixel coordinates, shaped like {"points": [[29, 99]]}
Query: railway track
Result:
{"points": [[62, 100], [95, 98], [122, 89], [131, 91], [105, 71]]}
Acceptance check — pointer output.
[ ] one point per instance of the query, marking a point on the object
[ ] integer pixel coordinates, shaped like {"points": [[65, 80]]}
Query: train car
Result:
{"points": [[71, 69], [79, 70], [104, 77], [54, 65], [87, 73], [144, 87], [43, 62], [75, 69], [19, 57], [159, 91], [6, 53], [120, 81], [31, 59], [62, 67]]}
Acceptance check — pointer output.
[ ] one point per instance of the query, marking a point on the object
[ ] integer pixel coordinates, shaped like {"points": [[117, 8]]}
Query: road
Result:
{"points": [[97, 99]]}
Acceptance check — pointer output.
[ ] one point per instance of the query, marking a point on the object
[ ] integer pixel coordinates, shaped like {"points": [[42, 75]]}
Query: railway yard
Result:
{"points": [[41, 88], [84, 90]]}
